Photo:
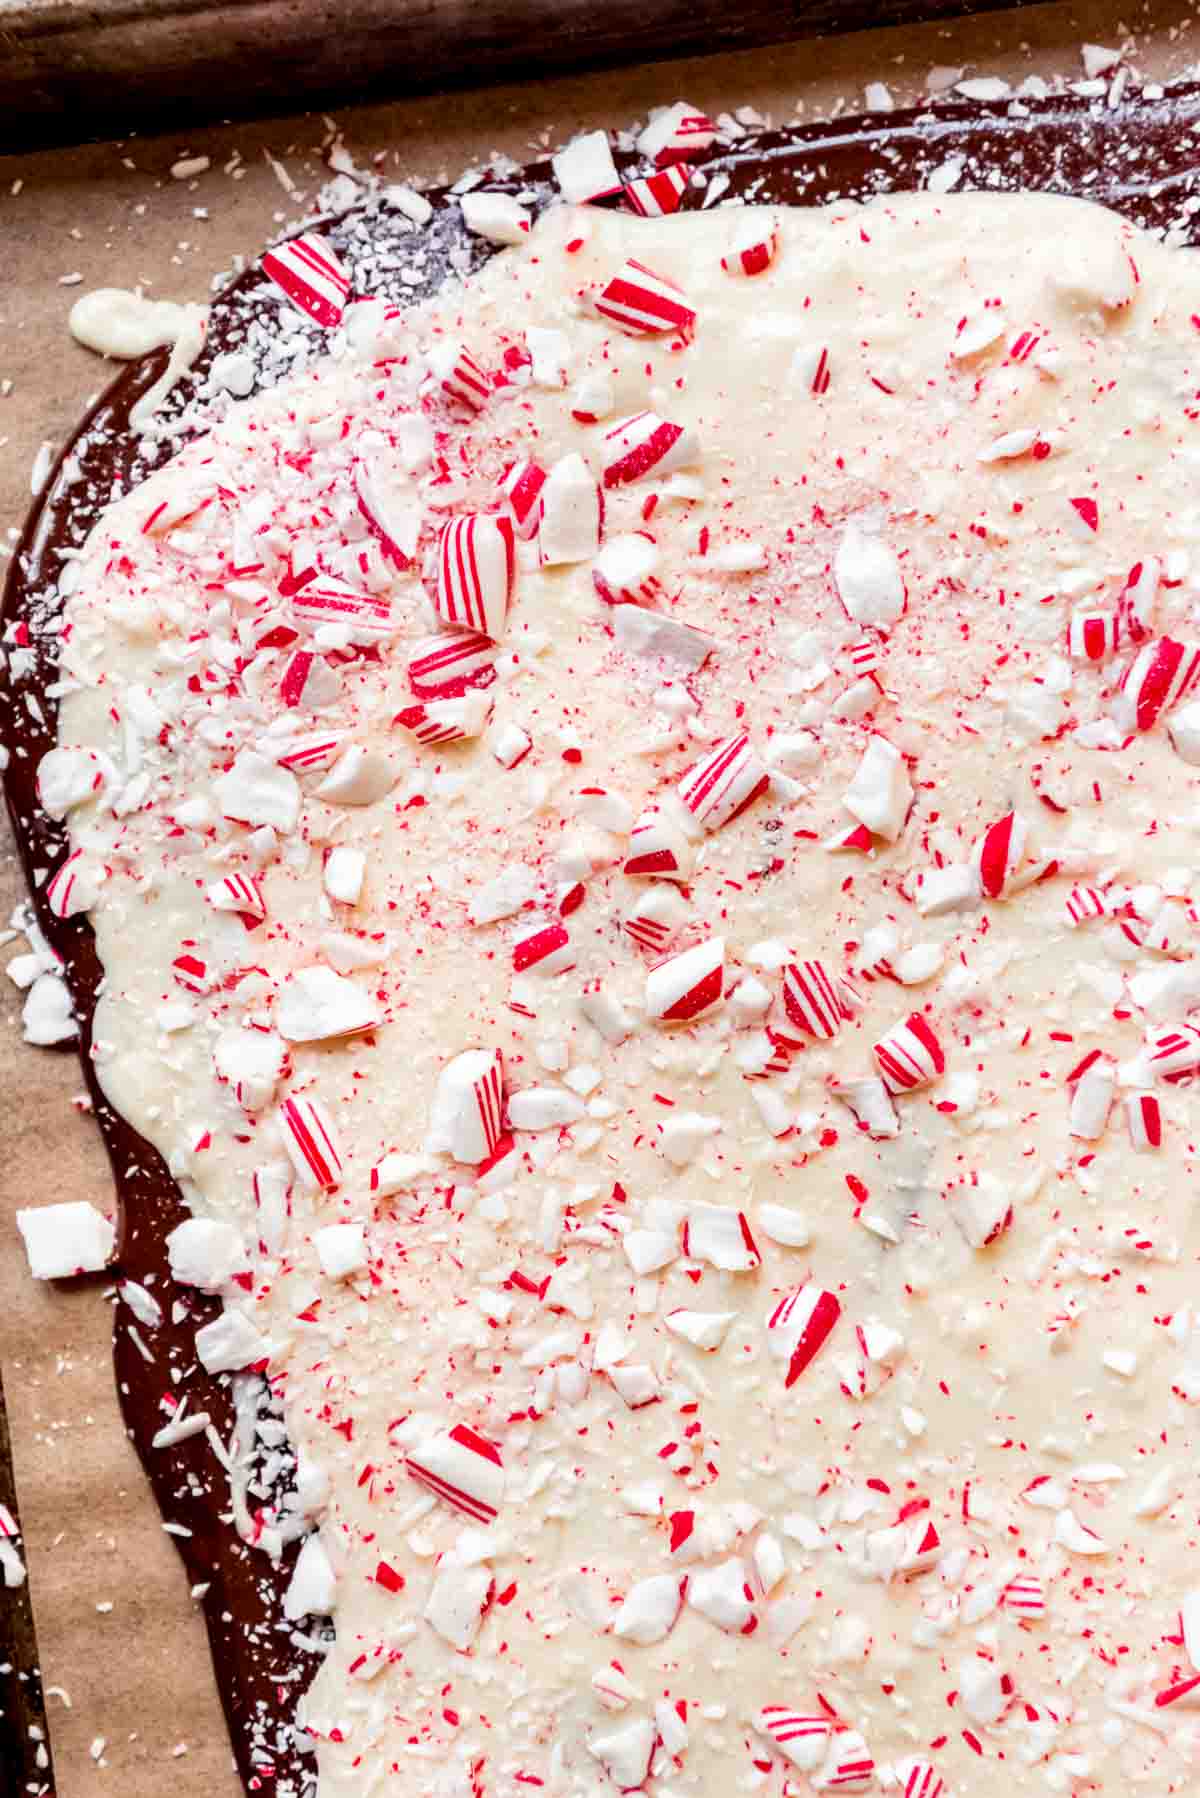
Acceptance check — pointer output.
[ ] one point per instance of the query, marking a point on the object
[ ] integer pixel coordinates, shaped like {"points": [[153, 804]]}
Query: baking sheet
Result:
{"points": [[119, 1637]]}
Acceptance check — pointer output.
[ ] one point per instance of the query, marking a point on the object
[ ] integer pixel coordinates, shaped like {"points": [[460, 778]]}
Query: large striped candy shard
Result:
{"points": [[643, 303], [456, 375], [463, 1468], [466, 1120], [801, 1737], [657, 195], [367, 617], [308, 273], [448, 665], [676, 134], [998, 853], [311, 1142], [814, 1000], [689, 985], [728, 779], [476, 572], [645, 444], [799, 1325], [521, 491], [1161, 674], [910, 1055], [1093, 635]]}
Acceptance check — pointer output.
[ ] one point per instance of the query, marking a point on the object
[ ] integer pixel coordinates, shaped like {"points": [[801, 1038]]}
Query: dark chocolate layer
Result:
{"points": [[1134, 155]]}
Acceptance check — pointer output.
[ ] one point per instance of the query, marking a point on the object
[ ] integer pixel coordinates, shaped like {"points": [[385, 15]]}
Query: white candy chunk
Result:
{"points": [[115, 322], [312, 1589], [544, 1108], [625, 1752], [981, 1690], [1183, 728], [251, 1062], [344, 873], [1075, 1536], [941, 890], [920, 963], [316, 1004], [396, 1173], [983, 1211], [1098, 59], [784, 1226], [509, 743], [341, 1250], [656, 634], [605, 1013], [68, 777], [457, 1602], [67, 1239], [722, 1594], [749, 999], [649, 1250], [500, 218], [624, 571], [869, 581], [464, 1119], [703, 1329], [637, 1384], [257, 790], [684, 1134], [205, 1252], [880, 793], [801, 1738], [720, 1236], [649, 1610], [871, 1104], [503, 897], [360, 776], [571, 513], [585, 169], [1097, 273], [229, 1343], [549, 353]]}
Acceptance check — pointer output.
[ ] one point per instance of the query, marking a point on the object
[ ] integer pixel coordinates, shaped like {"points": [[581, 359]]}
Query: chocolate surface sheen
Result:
{"points": [[1131, 156]]}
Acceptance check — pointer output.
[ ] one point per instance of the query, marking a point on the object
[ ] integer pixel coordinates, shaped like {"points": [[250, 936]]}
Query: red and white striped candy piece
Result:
{"points": [[800, 1737], [1162, 674], [688, 985], [658, 849], [645, 444], [624, 572], [326, 600], [443, 721], [814, 1000], [477, 569], [921, 1779], [446, 666], [1023, 346], [315, 749], [521, 492], [1083, 904], [653, 920], [754, 248], [306, 270], [456, 375], [1025, 1594], [193, 972], [856, 839], [922, 1550], [468, 1106], [810, 367], [240, 893], [1140, 597], [849, 1766], [910, 1055], [728, 779], [1143, 1114], [658, 195], [1092, 1088], [799, 1325], [864, 655], [389, 505], [311, 1142], [677, 133], [643, 303], [462, 1467], [1175, 1050], [997, 855], [308, 680], [546, 949], [72, 888], [1093, 635]]}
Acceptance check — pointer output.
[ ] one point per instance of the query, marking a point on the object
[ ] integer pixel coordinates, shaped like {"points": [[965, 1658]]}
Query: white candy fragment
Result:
{"points": [[312, 1588], [983, 1211], [257, 790], [571, 513], [341, 1250], [499, 217], [344, 873], [880, 793], [48, 1015], [360, 776], [703, 1329], [868, 578], [205, 1252], [625, 1752], [720, 1236], [684, 1134], [465, 1118], [871, 1104], [229, 1343], [316, 1004], [67, 1239], [723, 1595], [457, 1602], [67, 778], [585, 169], [649, 1610], [544, 1108], [251, 1062]]}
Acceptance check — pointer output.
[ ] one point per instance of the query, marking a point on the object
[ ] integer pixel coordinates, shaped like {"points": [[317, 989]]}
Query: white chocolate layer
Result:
{"points": [[1034, 1398]]}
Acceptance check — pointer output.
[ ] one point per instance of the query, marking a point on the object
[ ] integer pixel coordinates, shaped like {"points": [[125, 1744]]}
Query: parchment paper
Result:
{"points": [[124, 1656]]}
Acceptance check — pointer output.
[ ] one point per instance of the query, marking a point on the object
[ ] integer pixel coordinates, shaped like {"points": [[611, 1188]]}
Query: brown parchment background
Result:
{"points": [[137, 1673]]}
